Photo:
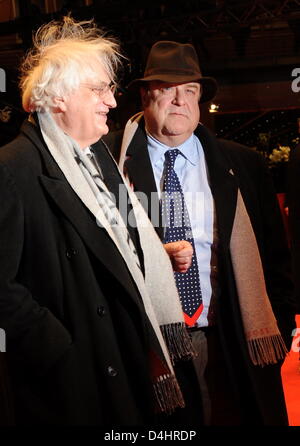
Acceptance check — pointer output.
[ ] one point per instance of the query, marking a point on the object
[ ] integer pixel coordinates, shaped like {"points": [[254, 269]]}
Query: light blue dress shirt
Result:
{"points": [[191, 170]]}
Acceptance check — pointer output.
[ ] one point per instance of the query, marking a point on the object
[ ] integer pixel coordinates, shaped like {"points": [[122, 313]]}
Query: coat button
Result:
{"points": [[111, 371], [101, 311], [71, 253]]}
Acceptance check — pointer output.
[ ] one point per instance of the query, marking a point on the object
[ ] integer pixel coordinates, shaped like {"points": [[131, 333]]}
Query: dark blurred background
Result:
{"points": [[250, 47]]}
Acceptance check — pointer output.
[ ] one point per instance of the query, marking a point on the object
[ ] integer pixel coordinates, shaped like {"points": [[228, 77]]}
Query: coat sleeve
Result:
{"points": [[35, 337], [275, 254]]}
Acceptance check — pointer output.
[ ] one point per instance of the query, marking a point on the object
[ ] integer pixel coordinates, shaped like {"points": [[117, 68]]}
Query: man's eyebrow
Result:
{"points": [[193, 85]]}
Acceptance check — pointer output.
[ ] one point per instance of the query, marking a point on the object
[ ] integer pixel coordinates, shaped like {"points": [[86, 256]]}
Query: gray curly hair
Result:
{"points": [[65, 54]]}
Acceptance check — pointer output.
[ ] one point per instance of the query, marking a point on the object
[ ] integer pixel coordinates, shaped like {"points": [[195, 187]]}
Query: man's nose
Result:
{"points": [[110, 99], [179, 97]]}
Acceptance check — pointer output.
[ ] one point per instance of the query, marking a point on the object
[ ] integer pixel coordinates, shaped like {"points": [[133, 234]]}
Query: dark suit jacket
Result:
{"points": [[259, 388], [77, 334]]}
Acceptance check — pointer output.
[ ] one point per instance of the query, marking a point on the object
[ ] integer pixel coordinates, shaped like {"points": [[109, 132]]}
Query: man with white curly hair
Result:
{"points": [[88, 301]]}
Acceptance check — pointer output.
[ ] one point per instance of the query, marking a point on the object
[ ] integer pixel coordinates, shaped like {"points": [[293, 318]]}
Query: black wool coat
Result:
{"points": [[77, 342], [259, 389]]}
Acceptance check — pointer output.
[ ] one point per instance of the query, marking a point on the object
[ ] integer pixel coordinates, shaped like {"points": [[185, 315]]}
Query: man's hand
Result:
{"points": [[180, 254]]}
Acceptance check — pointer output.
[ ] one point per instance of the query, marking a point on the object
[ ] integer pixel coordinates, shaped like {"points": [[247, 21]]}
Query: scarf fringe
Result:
{"points": [[268, 350], [178, 341], [168, 394]]}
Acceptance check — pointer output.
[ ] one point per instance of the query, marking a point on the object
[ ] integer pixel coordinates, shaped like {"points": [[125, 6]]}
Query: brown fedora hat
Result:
{"points": [[175, 62]]}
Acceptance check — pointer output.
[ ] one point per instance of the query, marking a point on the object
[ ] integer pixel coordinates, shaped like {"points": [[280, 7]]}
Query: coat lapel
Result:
{"points": [[223, 183], [138, 163], [139, 168]]}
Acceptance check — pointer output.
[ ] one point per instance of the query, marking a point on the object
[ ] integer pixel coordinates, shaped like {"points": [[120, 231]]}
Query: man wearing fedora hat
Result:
{"points": [[236, 290]]}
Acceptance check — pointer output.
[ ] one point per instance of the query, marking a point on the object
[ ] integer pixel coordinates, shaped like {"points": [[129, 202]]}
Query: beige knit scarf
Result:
{"points": [[265, 343], [157, 288]]}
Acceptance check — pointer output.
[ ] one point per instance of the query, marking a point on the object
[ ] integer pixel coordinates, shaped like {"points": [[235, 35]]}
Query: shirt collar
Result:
{"points": [[188, 148]]}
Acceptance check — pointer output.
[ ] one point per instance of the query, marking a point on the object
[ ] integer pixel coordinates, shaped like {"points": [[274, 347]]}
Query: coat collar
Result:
{"points": [[138, 166], [223, 183]]}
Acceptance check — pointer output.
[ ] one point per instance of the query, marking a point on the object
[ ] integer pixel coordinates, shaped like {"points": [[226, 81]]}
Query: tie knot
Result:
{"points": [[171, 155]]}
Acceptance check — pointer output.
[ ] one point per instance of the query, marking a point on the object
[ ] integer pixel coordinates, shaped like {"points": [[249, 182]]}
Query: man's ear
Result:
{"points": [[200, 93], [59, 104], [144, 93]]}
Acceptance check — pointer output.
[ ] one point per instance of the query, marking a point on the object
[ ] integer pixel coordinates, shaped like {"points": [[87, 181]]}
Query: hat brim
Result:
{"points": [[209, 84]]}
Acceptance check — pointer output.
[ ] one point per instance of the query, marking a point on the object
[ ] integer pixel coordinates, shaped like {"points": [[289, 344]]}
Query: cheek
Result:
{"points": [[92, 118], [195, 109], [194, 112], [163, 111], [159, 105]]}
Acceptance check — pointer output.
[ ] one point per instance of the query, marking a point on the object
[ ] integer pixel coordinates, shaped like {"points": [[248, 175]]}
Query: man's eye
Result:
{"points": [[167, 89], [191, 91]]}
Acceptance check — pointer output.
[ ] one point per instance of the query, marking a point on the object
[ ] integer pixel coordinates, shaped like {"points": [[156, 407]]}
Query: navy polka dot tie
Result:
{"points": [[177, 227]]}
